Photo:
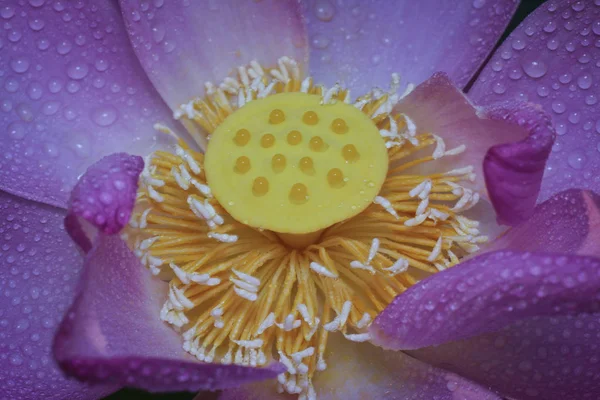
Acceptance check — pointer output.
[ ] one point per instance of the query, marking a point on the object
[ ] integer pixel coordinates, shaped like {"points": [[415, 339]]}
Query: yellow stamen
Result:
{"points": [[292, 225]]}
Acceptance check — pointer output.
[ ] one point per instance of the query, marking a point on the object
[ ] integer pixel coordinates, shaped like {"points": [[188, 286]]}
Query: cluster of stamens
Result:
{"points": [[238, 291]]}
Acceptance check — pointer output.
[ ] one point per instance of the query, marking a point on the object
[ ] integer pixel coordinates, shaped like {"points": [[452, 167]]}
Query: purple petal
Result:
{"points": [[113, 332], [105, 194], [486, 293], [39, 273], [360, 371], [514, 171], [568, 222], [552, 59], [184, 44], [73, 91], [361, 43], [542, 358], [507, 143]]}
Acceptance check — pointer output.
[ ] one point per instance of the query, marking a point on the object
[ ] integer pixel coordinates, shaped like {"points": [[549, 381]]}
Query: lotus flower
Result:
{"points": [[201, 214]]}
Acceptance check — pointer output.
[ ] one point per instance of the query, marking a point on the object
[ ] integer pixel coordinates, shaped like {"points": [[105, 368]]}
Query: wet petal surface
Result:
{"points": [[486, 293], [361, 43], [40, 269], [569, 222], [183, 44], [542, 358], [72, 91], [105, 194], [553, 59]]}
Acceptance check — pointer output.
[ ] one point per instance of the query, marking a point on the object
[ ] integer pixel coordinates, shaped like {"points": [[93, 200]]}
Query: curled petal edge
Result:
{"points": [[513, 171]]}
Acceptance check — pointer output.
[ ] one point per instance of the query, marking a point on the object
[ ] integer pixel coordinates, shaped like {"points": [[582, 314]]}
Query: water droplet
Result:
{"points": [[584, 58], [81, 146], [506, 54], [158, 33], [101, 64], [543, 91], [569, 26], [16, 130], [534, 68], [37, 3], [51, 150], [550, 27], [565, 78], [324, 10], [36, 24], [320, 42], [584, 81], [7, 12], [497, 65], [529, 31], [6, 105], [24, 112], [16, 359], [515, 73], [73, 87], [518, 44], [591, 99], [558, 106], [105, 116], [552, 44], [11, 85], [77, 70], [43, 44], [576, 160], [64, 47], [478, 4], [58, 6], [596, 27], [69, 113], [578, 6], [169, 46], [50, 107], [35, 90], [55, 85], [14, 36], [574, 117], [19, 64], [499, 88]]}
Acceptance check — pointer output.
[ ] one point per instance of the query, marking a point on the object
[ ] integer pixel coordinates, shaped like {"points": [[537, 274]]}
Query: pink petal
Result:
{"points": [[73, 92], [507, 143], [568, 222], [547, 358], [360, 371], [552, 59], [113, 332], [486, 293], [361, 43], [39, 273], [184, 44], [105, 194]]}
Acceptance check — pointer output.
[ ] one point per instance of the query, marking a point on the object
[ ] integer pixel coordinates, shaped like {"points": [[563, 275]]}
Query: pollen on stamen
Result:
{"points": [[348, 220]]}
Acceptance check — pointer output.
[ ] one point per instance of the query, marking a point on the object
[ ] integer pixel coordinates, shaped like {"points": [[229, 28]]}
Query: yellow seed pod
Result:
{"points": [[311, 165]]}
